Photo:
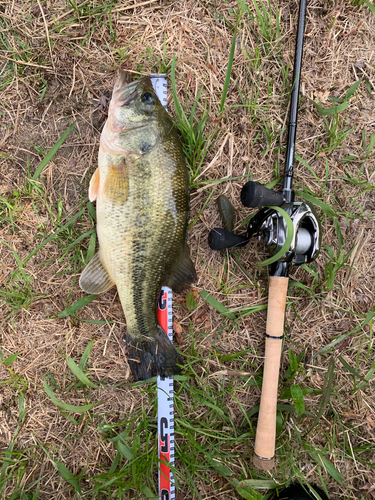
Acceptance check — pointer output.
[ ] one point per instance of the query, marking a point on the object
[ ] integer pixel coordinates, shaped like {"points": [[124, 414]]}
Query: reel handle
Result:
{"points": [[264, 456], [254, 195], [220, 239]]}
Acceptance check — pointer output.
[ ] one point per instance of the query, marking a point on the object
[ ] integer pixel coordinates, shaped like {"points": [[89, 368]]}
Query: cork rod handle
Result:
{"points": [[266, 429]]}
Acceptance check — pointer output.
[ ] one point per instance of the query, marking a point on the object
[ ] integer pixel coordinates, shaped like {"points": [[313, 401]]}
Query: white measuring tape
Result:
{"points": [[165, 387]]}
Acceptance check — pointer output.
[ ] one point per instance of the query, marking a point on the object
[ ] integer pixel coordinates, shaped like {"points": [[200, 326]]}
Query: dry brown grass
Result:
{"points": [[339, 49]]}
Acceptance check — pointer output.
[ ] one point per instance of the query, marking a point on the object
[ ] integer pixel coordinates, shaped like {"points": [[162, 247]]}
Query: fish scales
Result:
{"points": [[142, 194]]}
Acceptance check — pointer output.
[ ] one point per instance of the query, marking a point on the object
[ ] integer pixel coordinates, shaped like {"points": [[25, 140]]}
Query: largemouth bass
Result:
{"points": [[141, 189]]}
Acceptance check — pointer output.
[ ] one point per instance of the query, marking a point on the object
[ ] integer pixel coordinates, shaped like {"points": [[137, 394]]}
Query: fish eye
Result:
{"points": [[147, 98]]}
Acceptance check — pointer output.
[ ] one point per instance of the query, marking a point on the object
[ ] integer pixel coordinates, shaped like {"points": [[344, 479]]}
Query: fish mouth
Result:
{"points": [[124, 93]]}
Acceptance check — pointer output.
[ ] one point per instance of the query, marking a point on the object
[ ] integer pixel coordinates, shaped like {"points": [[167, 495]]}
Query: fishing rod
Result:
{"points": [[165, 386], [269, 224]]}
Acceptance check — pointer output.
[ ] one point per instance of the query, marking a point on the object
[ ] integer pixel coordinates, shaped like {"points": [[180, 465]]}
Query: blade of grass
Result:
{"points": [[326, 393], [51, 153], [341, 338], [331, 111], [304, 162], [260, 484], [368, 376], [351, 370], [298, 400], [68, 476], [352, 89], [77, 305], [312, 199], [217, 305], [51, 236], [65, 406], [229, 67], [320, 459], [80, 375], [371, 6], [86, 354]]}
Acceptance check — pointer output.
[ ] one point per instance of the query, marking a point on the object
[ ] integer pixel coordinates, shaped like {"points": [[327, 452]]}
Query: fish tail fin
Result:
{"points": [[153, 355]]}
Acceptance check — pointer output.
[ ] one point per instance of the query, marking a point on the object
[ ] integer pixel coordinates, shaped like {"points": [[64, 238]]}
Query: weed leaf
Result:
{"points": [[219, 467], [68, 476], [51, 236], [312, 199], [297, 396], [80, 375], [352, 89], [327, 390], [51, 153], [293, 361], [217, 305], [331, 111], [261, 484], [10, 359], [124, 450], [229, 69], [249, 493], [191, 302], [64, 406], [76, 306], [86, 354]]}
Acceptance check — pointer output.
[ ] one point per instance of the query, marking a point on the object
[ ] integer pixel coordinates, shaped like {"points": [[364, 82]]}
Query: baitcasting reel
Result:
{"points": [[270, 225]]}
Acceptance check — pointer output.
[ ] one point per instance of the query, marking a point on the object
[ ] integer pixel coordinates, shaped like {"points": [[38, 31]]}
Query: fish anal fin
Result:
{"points": [[182, 273], [94, 185], [95, 278]]}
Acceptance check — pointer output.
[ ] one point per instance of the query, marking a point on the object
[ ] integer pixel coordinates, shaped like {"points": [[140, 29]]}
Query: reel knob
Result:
{"points": [[254, 195], [220, 239]]}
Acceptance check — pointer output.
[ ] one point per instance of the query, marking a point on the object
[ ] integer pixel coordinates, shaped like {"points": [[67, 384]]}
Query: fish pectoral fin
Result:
{"points": [[94, 185], [95, 278], [116, 185], [182, 274]]}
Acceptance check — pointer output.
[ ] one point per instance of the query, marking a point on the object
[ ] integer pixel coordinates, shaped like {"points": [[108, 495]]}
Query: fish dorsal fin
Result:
{"points": [[95, 278], [94, 185], [182, 274]]}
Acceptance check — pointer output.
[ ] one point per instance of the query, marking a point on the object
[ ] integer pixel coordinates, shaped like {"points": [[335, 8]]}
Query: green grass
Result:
{"points": [[265, 23]]}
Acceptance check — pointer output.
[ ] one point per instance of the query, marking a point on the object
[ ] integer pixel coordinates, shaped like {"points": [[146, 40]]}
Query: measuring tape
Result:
{"points": [[165, 387]]}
